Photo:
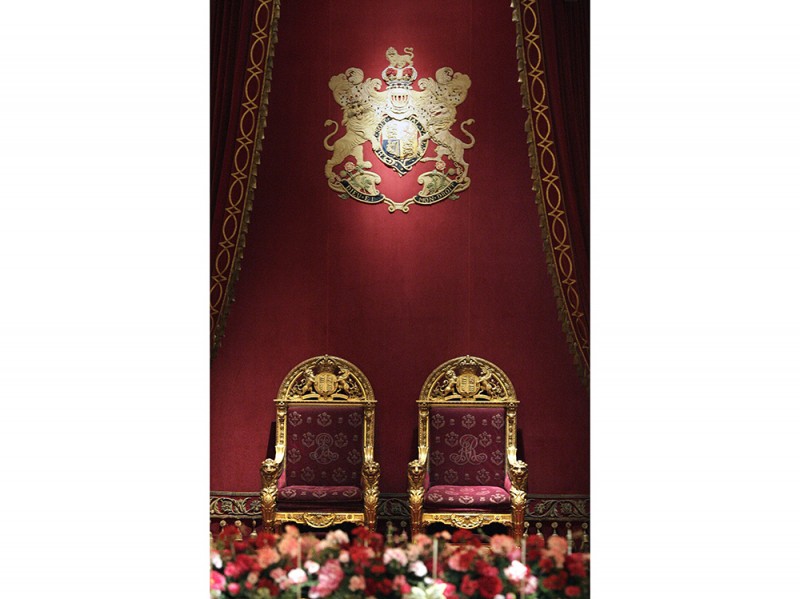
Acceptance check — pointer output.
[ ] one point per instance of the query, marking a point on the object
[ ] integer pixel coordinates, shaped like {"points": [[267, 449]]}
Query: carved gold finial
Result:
{"points": [[539, 530], [554, 526], [253, 531], [238, 525]]}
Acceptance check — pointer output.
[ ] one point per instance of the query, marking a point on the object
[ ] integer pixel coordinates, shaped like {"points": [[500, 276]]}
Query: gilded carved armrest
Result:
{"points": [[370, 473], [416, 492], [518, 473], [271, 471]]}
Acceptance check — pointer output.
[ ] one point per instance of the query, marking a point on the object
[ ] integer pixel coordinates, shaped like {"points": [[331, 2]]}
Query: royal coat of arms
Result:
{"points": [[400, 124]]}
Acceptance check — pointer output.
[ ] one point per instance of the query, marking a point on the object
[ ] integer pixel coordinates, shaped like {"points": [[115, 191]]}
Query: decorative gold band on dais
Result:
{"points": [[319, 519], [465, 520]]}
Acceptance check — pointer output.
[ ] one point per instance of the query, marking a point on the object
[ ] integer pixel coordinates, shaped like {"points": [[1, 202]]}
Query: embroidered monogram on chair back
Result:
{"points": [[467, 446], [324, 445]]}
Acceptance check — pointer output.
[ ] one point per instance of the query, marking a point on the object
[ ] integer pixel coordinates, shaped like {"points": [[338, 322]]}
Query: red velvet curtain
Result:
{"points": [[398, 294], [231, 24], [565, 36]]}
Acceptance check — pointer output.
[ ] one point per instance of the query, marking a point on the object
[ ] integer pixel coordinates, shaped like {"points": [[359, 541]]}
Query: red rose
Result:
{"points": [[384, 587], [246, 562], [378, 569], [359, 555], [546, 564], [375, 540], [484, 569], [265, 582], [535, 542], [466, 537], [461, 561], [468, 586], [461, 535], [489, 586], [575, 565], [572, 591], [234, 569], [450, 591], [555, 582], [241, 545]]}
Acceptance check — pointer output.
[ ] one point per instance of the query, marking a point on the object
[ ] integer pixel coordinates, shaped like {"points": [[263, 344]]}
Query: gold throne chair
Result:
{"points": [[467, 473], [323, 472]]}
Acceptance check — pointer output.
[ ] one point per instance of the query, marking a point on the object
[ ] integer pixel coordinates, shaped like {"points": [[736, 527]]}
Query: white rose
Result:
{"points": [[297, 576]]}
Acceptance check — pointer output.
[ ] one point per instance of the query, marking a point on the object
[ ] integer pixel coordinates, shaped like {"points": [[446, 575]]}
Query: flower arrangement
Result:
{"points": [[464, 565]]}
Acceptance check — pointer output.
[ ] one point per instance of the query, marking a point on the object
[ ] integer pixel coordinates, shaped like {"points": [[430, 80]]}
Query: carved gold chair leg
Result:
{"points": [[269, 492], [267, 517], [517, 521]]}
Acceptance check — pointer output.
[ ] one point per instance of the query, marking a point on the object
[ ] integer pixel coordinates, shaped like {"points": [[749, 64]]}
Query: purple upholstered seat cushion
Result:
{"points": [[454, 496], [467, 446], [313, 494], [324, 446]]}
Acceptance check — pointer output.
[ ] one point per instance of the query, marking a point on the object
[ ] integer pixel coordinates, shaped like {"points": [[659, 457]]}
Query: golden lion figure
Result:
{"points": [[399, 61], [356, 97]]}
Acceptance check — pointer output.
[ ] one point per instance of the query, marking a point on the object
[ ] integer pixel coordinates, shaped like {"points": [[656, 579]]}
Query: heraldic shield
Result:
{"points": [[400, 124]]}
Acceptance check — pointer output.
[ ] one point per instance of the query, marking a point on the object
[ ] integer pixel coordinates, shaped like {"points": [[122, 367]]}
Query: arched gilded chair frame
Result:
{"points": [[321, 381], [463, 382]]}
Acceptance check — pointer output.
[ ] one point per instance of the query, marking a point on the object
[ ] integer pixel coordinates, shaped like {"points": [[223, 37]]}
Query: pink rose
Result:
{"points": [[502, 544], [556, 549], [400, 584], [531, 586], [357, 583], [278, 574], [217, 581], [233, 588], [516, 572], [233, 569], [330, 575], [395, 554], [289, 546], [266, 556], [311, 566]]}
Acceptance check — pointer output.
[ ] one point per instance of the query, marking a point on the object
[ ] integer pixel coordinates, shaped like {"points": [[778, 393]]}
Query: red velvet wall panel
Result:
{"points": [[396, 294]]}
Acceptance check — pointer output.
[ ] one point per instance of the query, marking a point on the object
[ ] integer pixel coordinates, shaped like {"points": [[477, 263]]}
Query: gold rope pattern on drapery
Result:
{"points": [[239, 204], [546, 183]]}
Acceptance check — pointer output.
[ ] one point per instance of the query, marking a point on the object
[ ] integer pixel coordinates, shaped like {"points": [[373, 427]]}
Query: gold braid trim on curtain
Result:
{"points": [[252, 120], [546, 187]]}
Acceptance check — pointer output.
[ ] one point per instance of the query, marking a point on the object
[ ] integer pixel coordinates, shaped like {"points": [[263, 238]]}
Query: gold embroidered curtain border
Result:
{"points": [[560, 508], [546, 184], [246, 157]]}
